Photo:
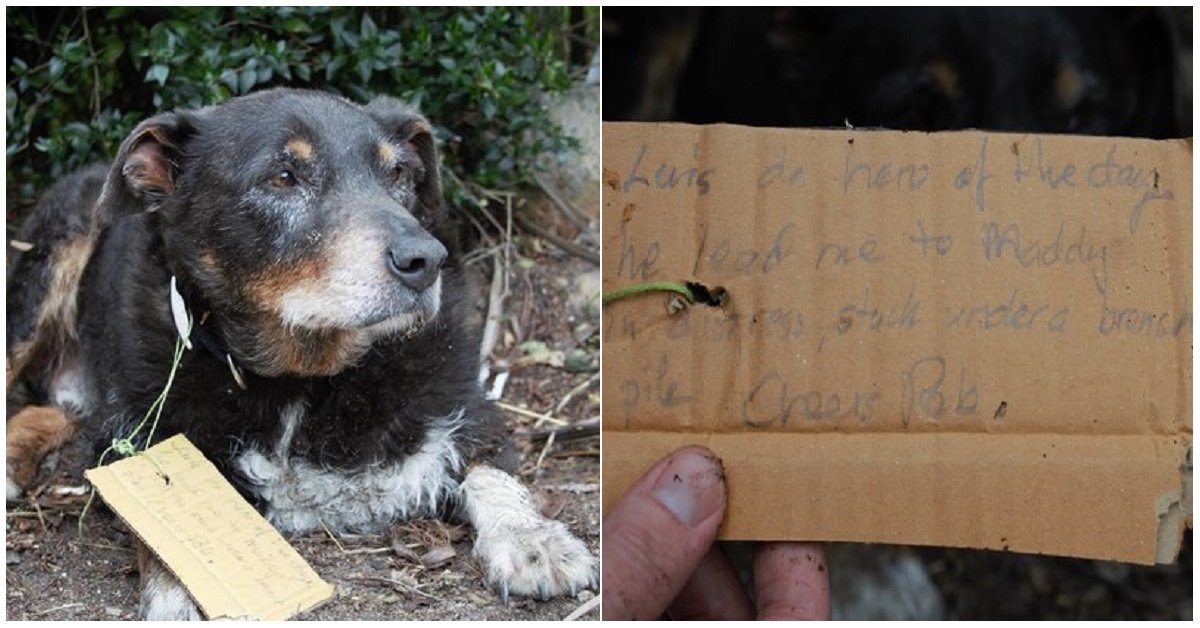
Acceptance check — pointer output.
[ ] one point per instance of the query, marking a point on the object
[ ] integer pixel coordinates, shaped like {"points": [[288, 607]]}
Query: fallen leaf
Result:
{"points": [[404, 552], [438, 556]]}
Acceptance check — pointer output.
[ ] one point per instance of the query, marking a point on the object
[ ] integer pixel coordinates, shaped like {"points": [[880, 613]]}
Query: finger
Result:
{"points": [[713, 592], [791, 581], [659, 531]]}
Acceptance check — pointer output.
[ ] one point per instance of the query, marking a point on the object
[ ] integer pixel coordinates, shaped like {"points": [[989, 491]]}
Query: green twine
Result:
{"points": [[652, 286], [125, 447], [693, 292]]}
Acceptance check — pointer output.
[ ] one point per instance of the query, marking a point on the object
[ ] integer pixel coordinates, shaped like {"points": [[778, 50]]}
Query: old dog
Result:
{"points": [[332, 375]]}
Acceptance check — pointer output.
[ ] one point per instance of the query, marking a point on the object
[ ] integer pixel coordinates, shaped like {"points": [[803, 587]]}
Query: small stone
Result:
{"points": [[12, 557], [112, 611], [585, 595]]}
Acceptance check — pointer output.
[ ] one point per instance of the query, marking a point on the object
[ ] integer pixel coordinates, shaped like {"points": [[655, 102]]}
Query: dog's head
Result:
{"points": [[302, 221]]}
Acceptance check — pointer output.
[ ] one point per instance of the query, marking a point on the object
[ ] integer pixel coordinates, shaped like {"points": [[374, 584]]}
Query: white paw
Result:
{"points": [[536, 559], [165, 599]]}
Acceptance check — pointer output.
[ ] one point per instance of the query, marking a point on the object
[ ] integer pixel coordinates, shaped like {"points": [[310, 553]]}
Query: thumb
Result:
{"points": [[656, 535]]}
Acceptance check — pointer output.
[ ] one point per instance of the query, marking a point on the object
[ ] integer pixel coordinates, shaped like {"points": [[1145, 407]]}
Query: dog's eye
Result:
{"points": [[285, 179]]}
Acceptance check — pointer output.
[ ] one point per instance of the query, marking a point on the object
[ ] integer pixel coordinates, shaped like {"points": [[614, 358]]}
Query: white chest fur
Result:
{"points": [[303, 497]]}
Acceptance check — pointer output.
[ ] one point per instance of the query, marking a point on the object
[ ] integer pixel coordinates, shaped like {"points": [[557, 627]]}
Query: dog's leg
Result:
{"points": [[31, 434], [164, 597], [522, 552]]}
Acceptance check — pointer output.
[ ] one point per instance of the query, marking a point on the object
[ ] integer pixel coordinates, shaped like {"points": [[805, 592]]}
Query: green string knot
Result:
{"points": [[692, 291]]}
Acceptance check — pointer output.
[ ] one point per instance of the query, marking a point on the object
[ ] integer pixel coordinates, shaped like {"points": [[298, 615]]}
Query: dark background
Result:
{"points": [[1105, 71]]}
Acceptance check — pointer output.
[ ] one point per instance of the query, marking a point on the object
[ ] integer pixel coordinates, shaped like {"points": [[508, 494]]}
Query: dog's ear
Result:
{"points": [[145, 171], [405, 125]]}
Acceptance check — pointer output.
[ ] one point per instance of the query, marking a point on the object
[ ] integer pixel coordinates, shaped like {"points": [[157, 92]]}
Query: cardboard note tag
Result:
{"points": [[234, 564], [963, 339]]}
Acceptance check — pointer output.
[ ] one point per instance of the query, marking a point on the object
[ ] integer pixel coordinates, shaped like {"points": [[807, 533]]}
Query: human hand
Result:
{"points": [[659, 553]]}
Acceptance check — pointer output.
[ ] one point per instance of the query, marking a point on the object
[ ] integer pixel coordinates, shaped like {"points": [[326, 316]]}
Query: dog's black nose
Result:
{"points": [[416, 262]]}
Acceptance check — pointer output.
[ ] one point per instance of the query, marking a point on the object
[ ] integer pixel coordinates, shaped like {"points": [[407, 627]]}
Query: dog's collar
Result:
{"points": [[201, 334], [205, 337]]}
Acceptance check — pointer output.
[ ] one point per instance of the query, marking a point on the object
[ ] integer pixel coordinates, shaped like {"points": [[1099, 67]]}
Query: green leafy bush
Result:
{"points": [[80, 79]]}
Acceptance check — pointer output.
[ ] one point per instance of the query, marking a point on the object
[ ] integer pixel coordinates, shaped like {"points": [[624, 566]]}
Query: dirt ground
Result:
{"points": [[419, 570]]}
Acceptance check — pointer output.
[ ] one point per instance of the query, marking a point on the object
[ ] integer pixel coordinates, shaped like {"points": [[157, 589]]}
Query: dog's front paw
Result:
{"points": [[168, 603], [536, 559], [169, 608], [164, 597], [522, 552]]}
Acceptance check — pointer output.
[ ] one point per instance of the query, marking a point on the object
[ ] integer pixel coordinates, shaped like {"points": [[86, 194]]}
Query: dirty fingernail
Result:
{"points": [[692, 486]]}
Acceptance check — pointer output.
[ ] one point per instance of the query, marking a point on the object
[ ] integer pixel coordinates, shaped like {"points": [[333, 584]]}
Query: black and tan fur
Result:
{"points": [[305, 235]]}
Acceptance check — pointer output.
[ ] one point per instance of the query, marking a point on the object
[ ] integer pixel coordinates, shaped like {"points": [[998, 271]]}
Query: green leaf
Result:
{"points": [[112, 51], [338, 28], [230, 79], [296, 25], [56, 68], [334, 67], [74, 51], [158, 73], [537, 352], [368, 29], [246, 80], [447, 62]]}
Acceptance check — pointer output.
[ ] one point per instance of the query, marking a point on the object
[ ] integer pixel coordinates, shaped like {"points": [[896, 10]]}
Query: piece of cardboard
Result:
{"points": [[234, 564], [962, 339]]}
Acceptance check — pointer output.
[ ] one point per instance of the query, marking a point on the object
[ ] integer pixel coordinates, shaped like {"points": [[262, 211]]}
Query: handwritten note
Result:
{"points": [[231, 560], [914, 285]]}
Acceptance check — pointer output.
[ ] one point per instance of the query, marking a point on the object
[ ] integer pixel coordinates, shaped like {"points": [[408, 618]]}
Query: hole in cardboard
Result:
{"points": [[1000, 411], [713, 297]]}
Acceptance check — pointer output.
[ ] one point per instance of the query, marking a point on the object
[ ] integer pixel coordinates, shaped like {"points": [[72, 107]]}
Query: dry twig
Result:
{"points": [[544, 233], [566, 207], [491, 328], [586, 428], [542, 456], [531, 414], [575, 391], [583, 609], [395, 584]]}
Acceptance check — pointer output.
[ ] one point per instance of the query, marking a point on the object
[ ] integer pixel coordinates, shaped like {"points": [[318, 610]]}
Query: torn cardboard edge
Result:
{"points": [[1018, 493], [234, 564]]}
